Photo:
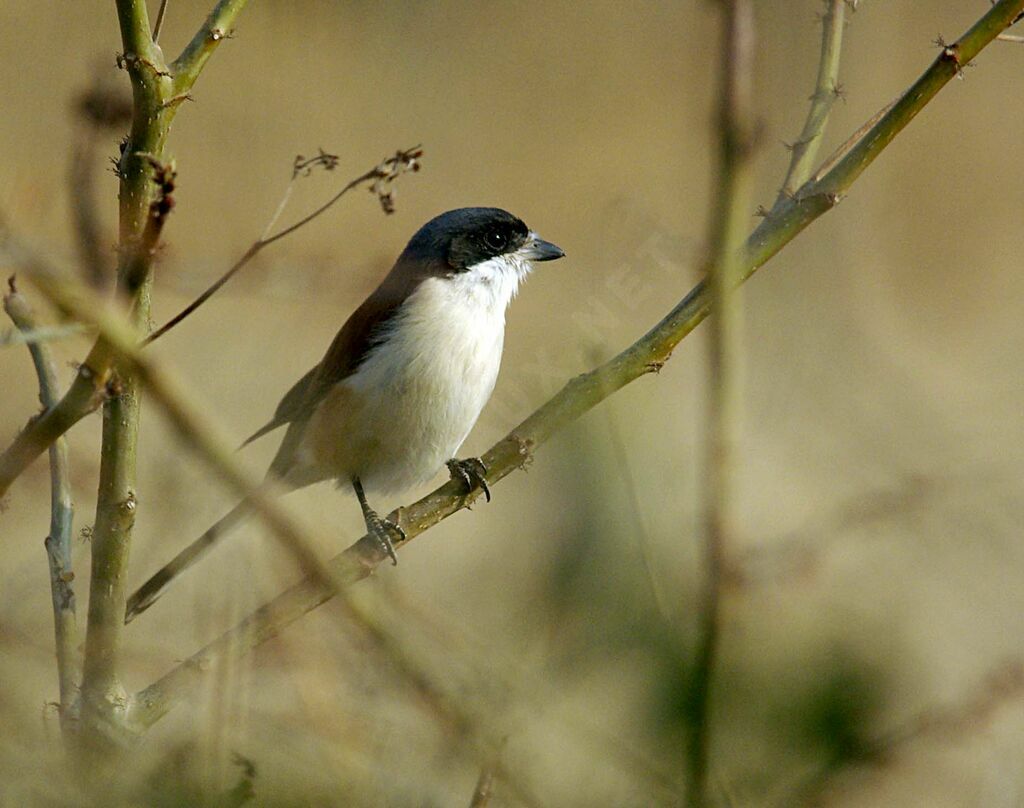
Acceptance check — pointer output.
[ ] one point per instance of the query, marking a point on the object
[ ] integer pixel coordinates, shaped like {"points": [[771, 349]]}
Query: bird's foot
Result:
{"points": [[382, 530], [471, 472]]}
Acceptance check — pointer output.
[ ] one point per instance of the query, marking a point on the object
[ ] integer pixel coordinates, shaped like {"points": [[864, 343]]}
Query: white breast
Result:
{"points": [[424, 386]]}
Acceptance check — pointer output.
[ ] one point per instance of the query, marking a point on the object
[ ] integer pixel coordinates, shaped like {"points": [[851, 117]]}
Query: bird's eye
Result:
{"points": [[495, 239]]}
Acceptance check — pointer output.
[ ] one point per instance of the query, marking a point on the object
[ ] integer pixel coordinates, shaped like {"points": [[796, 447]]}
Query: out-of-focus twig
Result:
{"points": [[484, 789], [197, 434], [86, 393], [103, 108], [58, 542], [381, 177], [43, 333], [1002, 685], [789, 217], [736, 136], [826, 91]]}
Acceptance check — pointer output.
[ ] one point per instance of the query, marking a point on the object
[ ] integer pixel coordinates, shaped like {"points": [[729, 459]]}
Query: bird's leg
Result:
{"points": [[380, 529], [471, 472]]}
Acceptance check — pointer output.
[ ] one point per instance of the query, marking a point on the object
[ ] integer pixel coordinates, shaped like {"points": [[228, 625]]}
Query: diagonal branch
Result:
{"points": [[826, 91], [154, 90], [58, 542], [196, 434], [219, 25], [648, 354]]}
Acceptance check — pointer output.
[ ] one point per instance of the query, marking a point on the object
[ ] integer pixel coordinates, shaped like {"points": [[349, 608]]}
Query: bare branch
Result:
{"points": [[583, 392], [219, 25], [218, 455], [159, 24], [826, 91], [735, 123], [58, 542], [85, 395], [382, 176], [45, 333], [146, 181]]}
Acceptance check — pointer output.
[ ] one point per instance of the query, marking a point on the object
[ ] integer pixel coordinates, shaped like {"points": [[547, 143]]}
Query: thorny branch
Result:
{"points": [[789, 218], [153, 85], [826, 90], [197, 435]]}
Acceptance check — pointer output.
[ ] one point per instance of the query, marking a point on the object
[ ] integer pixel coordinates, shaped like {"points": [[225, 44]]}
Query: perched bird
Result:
{"points": [[405, 379]]}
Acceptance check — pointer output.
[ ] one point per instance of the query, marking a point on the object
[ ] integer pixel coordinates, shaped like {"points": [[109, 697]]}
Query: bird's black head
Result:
{"points": [[465, 237]]}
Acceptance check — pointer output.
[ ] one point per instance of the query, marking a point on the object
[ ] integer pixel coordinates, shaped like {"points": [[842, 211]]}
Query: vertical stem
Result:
{"points": [[103, 697], [58, 542], [735, 135]]}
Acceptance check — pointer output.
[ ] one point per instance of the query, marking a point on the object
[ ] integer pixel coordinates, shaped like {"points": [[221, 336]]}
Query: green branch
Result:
{"points": [[146, 182], [728, 221], [198, 435], [218, 27], [826, 91], [647, 355]]}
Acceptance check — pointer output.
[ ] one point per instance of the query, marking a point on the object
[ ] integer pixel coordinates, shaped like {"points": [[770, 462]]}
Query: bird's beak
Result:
{"points": [[537, 249]]}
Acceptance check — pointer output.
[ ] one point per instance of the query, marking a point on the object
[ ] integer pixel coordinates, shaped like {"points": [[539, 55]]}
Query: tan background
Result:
{"points": [[880, 489]]}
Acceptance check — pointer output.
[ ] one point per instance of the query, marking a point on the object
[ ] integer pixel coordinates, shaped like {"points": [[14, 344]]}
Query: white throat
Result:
{"points": [[491, 284], [432, 373]]}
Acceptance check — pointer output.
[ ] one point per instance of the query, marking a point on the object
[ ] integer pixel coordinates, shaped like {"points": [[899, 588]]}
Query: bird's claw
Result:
{"points": [[382, 530], [471, 472]]}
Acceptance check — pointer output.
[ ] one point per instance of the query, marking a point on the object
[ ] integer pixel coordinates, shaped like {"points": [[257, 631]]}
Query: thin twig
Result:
{"points": [[1019, 40], [58, 542], [826, 91], [584, 392], [735, 124], [159, 24], [788, 218], [382, 175], [43, 333], [197, 434], [643, 536]]}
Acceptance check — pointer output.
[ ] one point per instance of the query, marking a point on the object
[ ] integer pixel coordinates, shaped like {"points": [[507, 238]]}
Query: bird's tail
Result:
{"points": [[147, 594]]}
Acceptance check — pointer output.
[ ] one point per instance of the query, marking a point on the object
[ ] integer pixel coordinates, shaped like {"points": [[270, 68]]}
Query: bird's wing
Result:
{"points": [[363, 329], [290, 408]]}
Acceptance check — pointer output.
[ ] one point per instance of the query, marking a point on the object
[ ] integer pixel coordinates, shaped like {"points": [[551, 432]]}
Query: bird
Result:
{"points": [[402, 383]]}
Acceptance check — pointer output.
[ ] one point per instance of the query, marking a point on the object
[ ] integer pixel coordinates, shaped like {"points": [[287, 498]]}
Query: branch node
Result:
{"points": [[176, 100], [131, 61]]}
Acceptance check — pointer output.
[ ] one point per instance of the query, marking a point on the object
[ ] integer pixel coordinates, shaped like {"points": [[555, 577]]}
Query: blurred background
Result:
{"points": [[873, 642]]}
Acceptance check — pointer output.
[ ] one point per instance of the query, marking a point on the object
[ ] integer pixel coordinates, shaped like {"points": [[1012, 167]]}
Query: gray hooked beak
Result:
{"points": [[537, 249]]}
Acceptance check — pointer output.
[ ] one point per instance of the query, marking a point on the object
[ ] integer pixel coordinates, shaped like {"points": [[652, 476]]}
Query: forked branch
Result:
{"points": [[789, 217]]}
